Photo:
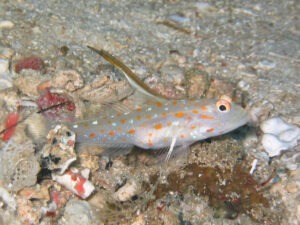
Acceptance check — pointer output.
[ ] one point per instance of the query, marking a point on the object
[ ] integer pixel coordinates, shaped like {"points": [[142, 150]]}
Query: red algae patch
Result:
{"points": [[56, 106], [11, 120], [31, 62]]}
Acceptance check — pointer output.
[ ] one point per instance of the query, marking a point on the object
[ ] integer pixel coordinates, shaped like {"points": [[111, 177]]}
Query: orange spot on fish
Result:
{"points": [[150, 142], [101, 131], [169, 124], [131, 131], [158, 126], [195, 111], [139, 109], [179, 114], [148, 117], [207, 117], [150, 134], [92, 135], [203, 108], [119, 114], [210, 130], [119, 129], [111, 133], [122, 120], [164, 114], [189, 118], [193, 127], [85, 124], [159, 104], [138, 117], [174, 102], [182, 135]]}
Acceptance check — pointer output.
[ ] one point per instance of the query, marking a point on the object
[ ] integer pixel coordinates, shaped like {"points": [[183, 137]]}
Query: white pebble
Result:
{"points": [[265, 65], [274, 125], [179, 19], [273, 145], [243, 85], [202, 6], [290, 135], [279, 136], [6, 24]]}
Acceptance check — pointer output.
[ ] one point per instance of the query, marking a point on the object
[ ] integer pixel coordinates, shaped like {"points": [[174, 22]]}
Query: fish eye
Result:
{"points": [[224, 104]]}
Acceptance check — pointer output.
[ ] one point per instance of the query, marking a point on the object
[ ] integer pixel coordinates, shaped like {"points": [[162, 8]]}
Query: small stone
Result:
{"points": [[139, 220], [27, 82], [27, 212], [202, 6], [6, 24], [172, 74], [6, 53], [292, 188], [19, 166], [243, 85], [179, 18], [5, 80], [279, 135], [274, 125], [78, 212], [127, 191], [36, 192], [4, 66], [68, 79], [32, 62], [265, 65]]}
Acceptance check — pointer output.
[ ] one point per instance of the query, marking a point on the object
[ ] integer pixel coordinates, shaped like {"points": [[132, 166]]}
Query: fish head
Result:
{"points": [[226, 116]]}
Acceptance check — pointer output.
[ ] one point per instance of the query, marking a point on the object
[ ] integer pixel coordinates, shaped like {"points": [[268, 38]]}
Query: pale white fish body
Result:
{"points": [[155, 126]]}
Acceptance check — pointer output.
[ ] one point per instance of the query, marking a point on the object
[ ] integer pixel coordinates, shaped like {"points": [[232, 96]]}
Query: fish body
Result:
{"points": [[158, 124], [162, 123]]}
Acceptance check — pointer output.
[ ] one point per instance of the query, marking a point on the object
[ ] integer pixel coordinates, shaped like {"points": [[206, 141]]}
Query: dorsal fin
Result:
{"points": [[132, 78]]}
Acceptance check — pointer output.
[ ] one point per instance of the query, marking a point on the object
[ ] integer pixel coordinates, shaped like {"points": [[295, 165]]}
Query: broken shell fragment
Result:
{"points": [[75, 181]]}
